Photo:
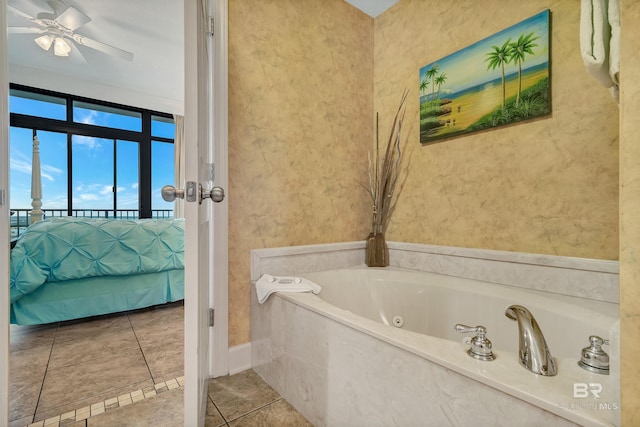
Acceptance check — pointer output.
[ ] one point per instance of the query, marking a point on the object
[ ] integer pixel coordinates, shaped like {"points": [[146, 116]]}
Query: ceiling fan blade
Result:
{"points": [[102, 47], [25, 30], [76, 57], [58, 6], [24, 15], [72, 18]]}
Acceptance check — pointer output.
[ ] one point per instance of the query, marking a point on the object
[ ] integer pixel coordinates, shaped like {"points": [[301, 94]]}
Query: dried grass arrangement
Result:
{"points": [[383, 177]]}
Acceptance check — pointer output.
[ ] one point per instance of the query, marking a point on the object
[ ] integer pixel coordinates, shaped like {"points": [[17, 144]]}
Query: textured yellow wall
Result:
{"points": [[630, 214], [548, 186], [300, 106]]}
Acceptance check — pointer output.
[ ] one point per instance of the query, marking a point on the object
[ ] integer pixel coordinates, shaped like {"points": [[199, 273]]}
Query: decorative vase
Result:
{"points": [[376, 254]]}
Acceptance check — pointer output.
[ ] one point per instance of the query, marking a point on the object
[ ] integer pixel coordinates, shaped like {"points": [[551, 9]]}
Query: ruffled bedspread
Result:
{"points": [[62, 249]]}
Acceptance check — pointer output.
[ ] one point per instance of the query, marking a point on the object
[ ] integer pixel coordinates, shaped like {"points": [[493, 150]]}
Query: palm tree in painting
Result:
{"points": [[431, 74], [519, 51], [424, 84], [439, 82], [500, 56]]}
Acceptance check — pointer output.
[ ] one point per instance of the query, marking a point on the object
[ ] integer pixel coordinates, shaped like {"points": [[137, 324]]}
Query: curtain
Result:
{"points": [[178, 166]]}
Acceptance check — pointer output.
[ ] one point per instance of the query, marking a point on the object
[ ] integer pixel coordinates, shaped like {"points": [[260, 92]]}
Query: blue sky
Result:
{"points": [[457, 66], [93, 161]]}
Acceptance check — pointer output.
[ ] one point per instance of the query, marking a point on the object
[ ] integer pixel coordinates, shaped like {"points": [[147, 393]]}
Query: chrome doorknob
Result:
{"points": [[216, 194], [169, 193]]}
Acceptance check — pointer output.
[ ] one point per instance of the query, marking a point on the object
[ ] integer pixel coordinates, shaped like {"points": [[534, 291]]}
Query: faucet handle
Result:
{"points": [[593, 358], [596, 341], [464, 329], [480, 344]]}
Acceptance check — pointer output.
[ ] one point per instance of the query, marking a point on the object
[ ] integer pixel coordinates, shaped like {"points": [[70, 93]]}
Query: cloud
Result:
{"points": [[87, 142], [56, 202], [88, 117], [93, 193], [106, 189], [20, 166], [88, 197], [46, 171]]}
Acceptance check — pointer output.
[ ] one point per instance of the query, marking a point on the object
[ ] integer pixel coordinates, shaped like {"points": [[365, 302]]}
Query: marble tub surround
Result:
{"points": [[581, 277], [292, 260], [316, 349], [404, 378], [312, 366]]}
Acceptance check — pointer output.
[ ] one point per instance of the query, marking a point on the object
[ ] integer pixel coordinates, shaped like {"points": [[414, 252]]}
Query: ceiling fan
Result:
{"points": [[57, 29]]}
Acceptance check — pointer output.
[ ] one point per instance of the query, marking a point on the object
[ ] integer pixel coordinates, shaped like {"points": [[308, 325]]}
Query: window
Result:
{"points": [[97, 159], [53, 166], [163, 160], [101, 115], [37, 104]]}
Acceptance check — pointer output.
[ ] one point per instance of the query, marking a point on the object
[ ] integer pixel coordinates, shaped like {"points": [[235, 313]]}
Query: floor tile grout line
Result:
{"points": [[126, 386], [218, 409], [177, 380], [135, 383], [144, 357], [46, 370], [253, 410]]}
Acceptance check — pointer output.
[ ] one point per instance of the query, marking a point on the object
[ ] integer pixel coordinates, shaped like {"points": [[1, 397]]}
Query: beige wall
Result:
{"points": [[630, 214], [548, 186], [300, 103]]}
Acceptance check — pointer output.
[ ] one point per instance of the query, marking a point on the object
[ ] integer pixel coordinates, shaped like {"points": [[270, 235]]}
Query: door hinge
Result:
{"points": [[211, 316], [211, 26], [2, 197]]}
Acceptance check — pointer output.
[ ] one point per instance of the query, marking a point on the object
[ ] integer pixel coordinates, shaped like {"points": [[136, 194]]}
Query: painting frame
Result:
{"points": [[498, 81]]}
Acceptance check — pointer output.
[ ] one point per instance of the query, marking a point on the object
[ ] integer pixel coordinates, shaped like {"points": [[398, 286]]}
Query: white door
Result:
{"points": [[198, 209], [4, 219]]}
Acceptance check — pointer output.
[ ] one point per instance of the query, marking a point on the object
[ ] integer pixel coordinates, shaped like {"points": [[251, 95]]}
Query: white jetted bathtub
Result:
{"points": [[377, 347]]}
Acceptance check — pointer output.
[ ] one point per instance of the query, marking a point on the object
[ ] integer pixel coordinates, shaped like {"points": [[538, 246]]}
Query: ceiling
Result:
{"points": [[151, 29], [372, 8]]}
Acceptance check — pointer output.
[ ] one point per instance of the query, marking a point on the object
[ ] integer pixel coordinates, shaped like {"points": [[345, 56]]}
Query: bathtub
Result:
{"points": [[377, 347]]}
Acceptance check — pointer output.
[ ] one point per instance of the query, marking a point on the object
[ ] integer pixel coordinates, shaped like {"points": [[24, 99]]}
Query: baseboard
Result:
{"points": [[239, 358]]}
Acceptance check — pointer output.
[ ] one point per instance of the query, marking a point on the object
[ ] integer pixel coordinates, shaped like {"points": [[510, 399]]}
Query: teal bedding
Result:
{"points": [[68, 268]]}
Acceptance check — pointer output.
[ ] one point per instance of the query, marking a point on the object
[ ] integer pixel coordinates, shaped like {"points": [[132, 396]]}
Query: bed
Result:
{"points": [[69, 268]]}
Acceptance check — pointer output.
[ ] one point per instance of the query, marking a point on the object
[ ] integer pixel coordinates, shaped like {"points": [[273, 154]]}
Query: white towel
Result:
{"points": [[614, 46], [595, 34], [267, 284]]}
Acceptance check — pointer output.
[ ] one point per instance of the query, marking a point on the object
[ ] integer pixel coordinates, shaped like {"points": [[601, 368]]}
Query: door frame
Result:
{"points": [[4, 218], [219, 296]]}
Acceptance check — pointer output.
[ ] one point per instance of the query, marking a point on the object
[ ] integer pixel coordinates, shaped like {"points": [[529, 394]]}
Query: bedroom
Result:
{"points": [[153, 81]]}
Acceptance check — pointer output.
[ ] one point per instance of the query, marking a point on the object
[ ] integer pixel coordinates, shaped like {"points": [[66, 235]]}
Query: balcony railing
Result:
{"points": [[21, 218]]}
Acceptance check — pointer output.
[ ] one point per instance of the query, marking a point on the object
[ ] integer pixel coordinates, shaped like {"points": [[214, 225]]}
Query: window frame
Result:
{"points": [[70, 128]]}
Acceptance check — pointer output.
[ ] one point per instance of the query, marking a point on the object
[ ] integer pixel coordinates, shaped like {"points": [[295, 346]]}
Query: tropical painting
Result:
{"points": [[497, 81]]}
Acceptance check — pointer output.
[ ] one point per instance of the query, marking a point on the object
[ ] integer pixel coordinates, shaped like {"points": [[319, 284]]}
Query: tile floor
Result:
{"points": [[125, 370]]}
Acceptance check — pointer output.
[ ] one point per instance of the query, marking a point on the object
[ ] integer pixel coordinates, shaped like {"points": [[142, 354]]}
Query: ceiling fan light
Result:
{"points": [[61, 47], [44, 41]]}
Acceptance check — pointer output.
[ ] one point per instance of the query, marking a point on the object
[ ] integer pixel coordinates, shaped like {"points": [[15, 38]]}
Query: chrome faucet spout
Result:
{"points": [[533, 350]]}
